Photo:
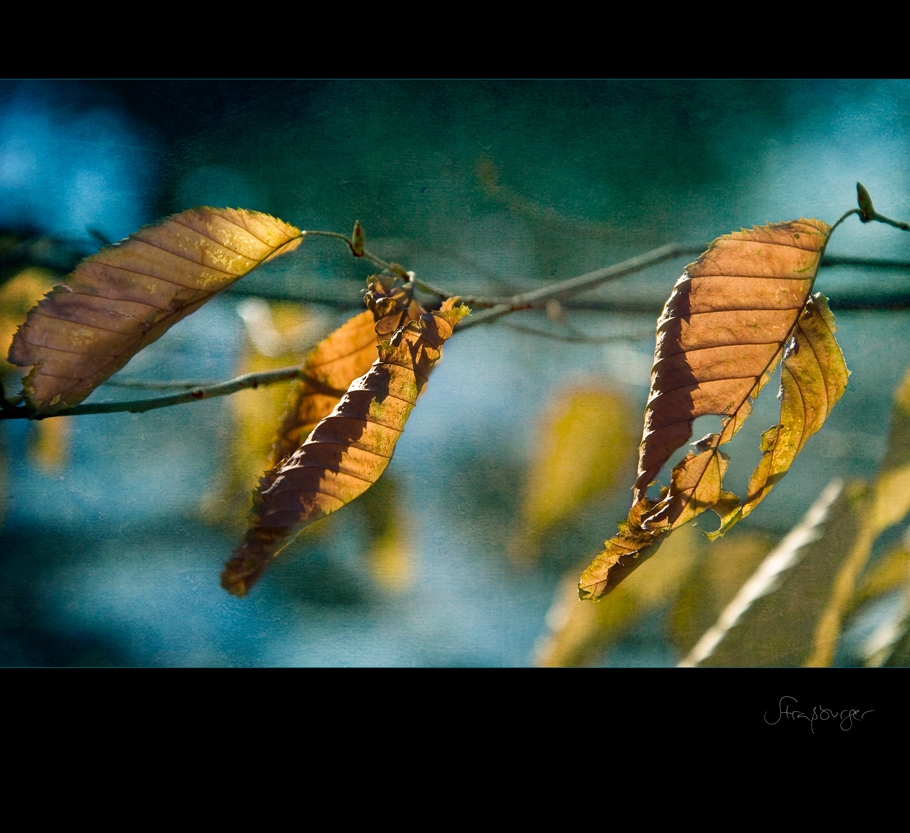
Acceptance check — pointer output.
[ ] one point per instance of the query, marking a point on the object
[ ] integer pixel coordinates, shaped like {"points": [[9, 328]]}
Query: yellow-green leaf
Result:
{"points": [[892, 485], [813, 378], [777, 617]]}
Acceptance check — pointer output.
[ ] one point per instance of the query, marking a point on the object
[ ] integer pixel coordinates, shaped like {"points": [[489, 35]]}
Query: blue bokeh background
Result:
{"points": [[105, 561]]}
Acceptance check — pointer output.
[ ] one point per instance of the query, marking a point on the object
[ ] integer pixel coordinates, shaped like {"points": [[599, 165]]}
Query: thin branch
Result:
{"points": [[496, 308], [166, 385], [139, 406], [357, 249], [571, 286], [578, 338], [326, 293]]}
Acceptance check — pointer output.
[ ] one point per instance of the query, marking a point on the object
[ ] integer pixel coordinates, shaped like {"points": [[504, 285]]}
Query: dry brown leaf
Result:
{"points": [[128, 295], [351, 447], [329, 369], [723, 331], [254, 412], [740, 309]]}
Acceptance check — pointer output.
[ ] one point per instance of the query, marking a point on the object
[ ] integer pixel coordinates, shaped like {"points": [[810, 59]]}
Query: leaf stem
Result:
{"points": [[866, 213], [357, 249], [839, 221]]}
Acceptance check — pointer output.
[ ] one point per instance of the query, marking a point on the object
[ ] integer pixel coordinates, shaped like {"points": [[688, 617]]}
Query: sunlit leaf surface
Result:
{"points": [[126, 296]]}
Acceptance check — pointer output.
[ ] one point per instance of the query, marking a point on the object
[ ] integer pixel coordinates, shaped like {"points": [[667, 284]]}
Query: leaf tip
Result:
{"points": [[234, 585]]}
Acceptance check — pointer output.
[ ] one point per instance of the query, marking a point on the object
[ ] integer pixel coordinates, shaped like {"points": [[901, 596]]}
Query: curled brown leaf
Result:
{"points": [[350, 448], [344, 355]]}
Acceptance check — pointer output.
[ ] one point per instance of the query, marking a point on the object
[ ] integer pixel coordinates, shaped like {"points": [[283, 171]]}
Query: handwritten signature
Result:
{"points": [[846, 717]]}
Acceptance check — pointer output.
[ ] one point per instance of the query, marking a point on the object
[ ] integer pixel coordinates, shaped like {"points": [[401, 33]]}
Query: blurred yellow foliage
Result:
{"points": [[256, 413], [48, 438], [582, 451]]}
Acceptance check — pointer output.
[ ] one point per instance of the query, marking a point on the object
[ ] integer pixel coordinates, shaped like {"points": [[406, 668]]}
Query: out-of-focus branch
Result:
{"points": [[566, 289]]}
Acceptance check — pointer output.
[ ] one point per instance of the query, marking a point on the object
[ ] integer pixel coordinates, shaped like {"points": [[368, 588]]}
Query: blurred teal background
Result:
{"points": [[479, 187]]}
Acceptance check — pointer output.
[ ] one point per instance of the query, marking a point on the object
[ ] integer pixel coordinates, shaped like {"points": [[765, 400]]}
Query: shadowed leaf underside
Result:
{"points": [[336, 361], [349, 449]]}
